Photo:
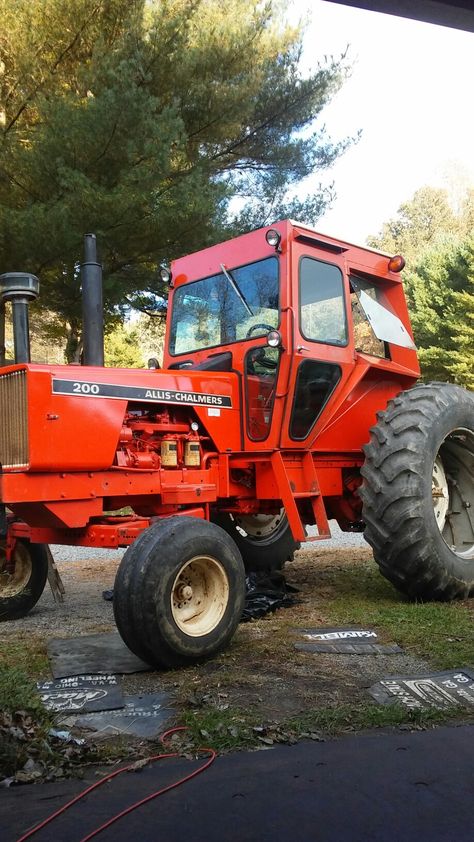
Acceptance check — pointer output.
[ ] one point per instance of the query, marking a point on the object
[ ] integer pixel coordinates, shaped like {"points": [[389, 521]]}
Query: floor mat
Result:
{"points": [[143, 716], [82, 693], [343, 640], [92, 654], [438, 689]]}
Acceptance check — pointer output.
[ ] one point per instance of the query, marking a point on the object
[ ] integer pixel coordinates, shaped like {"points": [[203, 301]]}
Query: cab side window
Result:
{"points": [[365, 339], [322, 313]]}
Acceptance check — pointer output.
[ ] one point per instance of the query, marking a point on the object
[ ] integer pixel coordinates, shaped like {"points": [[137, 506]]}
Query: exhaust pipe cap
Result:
{"points": [[16, 285]]}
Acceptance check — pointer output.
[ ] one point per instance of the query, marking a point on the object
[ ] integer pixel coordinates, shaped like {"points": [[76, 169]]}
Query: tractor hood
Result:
{"points": [[70, 419]]}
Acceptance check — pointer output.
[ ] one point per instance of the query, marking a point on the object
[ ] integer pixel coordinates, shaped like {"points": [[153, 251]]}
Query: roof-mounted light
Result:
{"points": [[273, 238], [165, 275], [396, 263]]}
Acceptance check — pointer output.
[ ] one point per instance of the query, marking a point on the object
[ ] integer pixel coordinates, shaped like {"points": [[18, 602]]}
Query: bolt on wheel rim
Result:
{"points": [[199, 596], [260, 526], [440, 493], [453, 492], [13, 583]]}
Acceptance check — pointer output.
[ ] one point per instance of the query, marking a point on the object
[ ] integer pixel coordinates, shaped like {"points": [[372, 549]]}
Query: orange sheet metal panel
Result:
{"points": [[30, 487], [76, 414]]}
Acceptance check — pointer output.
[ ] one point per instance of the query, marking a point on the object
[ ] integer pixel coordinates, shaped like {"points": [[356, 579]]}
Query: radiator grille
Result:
{"points": [[13, 420]]}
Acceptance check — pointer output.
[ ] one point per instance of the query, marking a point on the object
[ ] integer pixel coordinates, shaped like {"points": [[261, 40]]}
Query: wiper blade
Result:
{"points": [[236, 289]]}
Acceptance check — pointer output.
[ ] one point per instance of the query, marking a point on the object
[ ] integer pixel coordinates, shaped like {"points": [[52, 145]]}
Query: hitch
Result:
{"points": [[10, 545], [10, 540], [3, 521]]}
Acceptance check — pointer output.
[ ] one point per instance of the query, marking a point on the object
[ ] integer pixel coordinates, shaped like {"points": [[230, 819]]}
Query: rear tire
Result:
{"points": [[21, 590], [418, 492], [265, 541], [179, 592]]}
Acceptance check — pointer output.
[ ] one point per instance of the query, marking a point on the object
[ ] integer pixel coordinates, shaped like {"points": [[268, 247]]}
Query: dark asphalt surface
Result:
{"points": [[412, 787]]}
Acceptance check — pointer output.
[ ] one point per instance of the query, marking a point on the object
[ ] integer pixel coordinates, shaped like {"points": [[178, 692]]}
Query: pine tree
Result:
{"points": [[441, 303], [438, 245], [141, 120]]}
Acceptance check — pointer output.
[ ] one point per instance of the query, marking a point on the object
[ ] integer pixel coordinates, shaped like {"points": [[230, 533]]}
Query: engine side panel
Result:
{"points": [[72, 418]]}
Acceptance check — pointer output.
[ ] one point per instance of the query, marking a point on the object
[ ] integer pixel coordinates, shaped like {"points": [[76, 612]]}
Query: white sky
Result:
{"points": [[411, 94]]}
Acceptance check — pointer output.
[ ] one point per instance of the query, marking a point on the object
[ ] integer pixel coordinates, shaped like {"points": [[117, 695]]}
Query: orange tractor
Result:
{"points": [[288, 397]]}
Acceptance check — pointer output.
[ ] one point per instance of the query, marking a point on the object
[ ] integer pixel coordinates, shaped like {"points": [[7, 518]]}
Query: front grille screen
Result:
{"points": [[13, 420]]}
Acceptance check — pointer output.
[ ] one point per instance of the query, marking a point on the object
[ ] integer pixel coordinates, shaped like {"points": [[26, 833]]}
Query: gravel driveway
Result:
{"points": [[339, 540], [87, 572]]}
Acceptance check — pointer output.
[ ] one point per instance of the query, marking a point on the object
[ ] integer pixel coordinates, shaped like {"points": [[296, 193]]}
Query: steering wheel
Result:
{"points": [[259, 326], [262, 361]]}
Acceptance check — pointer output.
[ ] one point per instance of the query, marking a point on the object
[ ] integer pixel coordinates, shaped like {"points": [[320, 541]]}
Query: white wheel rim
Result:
{"points": [[199, 596], [12, 584], [259, 526], [453, 492], [440, 493]]}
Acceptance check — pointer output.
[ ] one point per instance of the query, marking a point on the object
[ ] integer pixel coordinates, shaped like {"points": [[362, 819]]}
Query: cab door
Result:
{"points": [[323, 353]]}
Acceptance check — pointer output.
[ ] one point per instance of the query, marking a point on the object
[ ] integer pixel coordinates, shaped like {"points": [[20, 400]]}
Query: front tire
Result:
{"points": [[418, 492], [21, 587], [265, 541], [179, 592]]}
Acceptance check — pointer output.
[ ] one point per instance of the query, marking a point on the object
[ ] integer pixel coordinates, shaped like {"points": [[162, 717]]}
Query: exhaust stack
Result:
{"points": [[20, 288], [92, 307]]}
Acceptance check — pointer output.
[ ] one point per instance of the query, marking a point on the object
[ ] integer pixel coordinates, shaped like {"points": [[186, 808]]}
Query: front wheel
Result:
{"points": [[418, 492], [179, 592], [22, 582], [265, 540]]}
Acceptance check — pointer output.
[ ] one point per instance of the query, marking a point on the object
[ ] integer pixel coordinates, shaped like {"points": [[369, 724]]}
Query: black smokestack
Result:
{"points": [[92, 307]]}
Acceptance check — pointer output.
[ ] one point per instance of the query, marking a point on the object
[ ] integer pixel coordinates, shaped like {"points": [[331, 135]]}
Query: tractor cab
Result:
{"points": [[310, 325]]}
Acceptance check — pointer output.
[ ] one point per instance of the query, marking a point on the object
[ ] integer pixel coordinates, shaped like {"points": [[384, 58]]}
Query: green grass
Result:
{"points": [[223, 730], [18, 693], [337, 720], [442, 633], [234, 729], [25, 652]]}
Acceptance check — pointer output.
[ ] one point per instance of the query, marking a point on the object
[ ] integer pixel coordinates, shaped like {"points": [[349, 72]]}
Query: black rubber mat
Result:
{"points": [[92, 653], [437, 689], [82, 693], [144, 716], [343, 640]]}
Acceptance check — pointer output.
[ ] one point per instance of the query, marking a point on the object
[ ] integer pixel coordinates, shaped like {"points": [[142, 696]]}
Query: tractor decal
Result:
{"points": [[88, 389]]}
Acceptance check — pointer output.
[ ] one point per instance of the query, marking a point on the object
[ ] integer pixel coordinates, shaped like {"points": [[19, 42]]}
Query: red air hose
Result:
{"points": [[211, 757]]}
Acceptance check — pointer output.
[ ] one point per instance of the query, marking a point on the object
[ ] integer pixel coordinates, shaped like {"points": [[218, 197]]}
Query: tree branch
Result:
{"points": [[52, 70]]}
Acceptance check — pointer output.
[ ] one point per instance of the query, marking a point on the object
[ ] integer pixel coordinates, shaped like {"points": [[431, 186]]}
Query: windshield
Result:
{"points": [[234, 305]]}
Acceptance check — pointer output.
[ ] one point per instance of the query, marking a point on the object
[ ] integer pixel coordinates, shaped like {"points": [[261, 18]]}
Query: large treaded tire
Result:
{"points": [[174, 555], [20, 593], [424, 545], [265, 552]]}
